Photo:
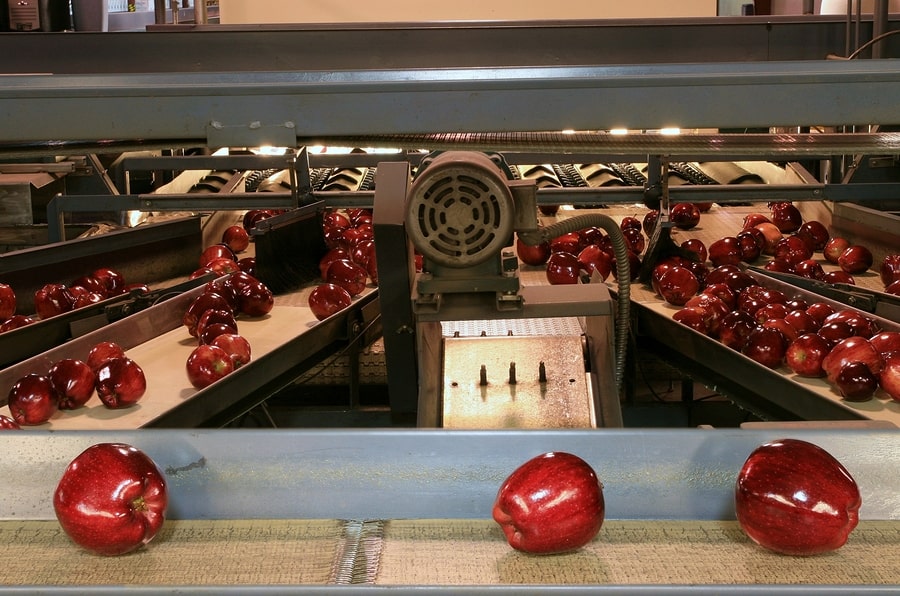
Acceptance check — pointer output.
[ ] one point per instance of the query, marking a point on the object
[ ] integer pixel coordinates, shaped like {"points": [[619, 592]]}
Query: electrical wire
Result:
{"points": [[871, 42]]}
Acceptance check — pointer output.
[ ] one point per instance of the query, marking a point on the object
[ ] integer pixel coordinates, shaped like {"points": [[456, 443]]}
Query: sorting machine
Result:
{"points": [[459, 336]]}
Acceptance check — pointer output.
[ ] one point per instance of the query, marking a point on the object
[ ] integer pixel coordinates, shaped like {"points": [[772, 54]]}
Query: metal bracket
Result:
{"points": [[251, 134]]}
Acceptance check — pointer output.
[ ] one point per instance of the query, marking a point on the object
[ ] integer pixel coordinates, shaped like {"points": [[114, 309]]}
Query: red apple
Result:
{"points": [[216, 316], [648, 223], [838, 277], [552, 503], [236, 238], [696, 246], [859, 323], [810, 269], [120, 382], [247, 265], [570, 243], [787, 217], [800, 320], [885, 342], [835, 331], [7, 423], [591, 235], [856, 381], [795, 498], [694, 317], [677, 285], [327, 299], [805, 354], [722, 292], [634, 266], [820, 311], [363, 252], [112, 280], [593, 259], [563, 268], [111, 499], [889, 377], [207, 364], [335, 219], [835, 246], [256, 299], [889, 270], [749, 245], [751, 220], [32, 400], [779, 266], [772, 234], [253, 216], [772, 310], [85, 298], [7, 302], [735, 328], [628, 222], [103, 351], [634, 239], [53, 299], [855, 259], [223, 266], [237, 346], [725, 251], [684, 215], [816, 232], [73, 381], [852, 349], [89, 283], [714, 308], [893, 288], [214, 252], [792, 249], [201, 272], [348, 275], [766, 346], [201, 304], [16, 321]]}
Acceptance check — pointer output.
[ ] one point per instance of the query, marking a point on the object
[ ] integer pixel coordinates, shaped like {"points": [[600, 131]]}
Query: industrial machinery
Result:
{"points": [[471, 100]]}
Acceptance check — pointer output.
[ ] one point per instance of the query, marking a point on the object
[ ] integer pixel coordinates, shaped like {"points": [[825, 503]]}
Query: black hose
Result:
{"points": [[623, 272]]}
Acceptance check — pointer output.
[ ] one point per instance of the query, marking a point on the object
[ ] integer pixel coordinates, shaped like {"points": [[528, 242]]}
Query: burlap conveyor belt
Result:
{"points": [[437, 552]]}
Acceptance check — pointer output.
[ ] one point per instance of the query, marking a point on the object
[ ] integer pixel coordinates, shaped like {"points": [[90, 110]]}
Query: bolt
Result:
{"points": [[483, 381], [512, 373], [542, 372]]}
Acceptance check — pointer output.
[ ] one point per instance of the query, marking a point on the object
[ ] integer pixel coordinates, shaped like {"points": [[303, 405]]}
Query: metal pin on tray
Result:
{"points": [[512, 373], [542, 372]]}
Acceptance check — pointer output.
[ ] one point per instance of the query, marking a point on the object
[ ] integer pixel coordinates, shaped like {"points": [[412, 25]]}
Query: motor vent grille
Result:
{"points": [[460, 210]]}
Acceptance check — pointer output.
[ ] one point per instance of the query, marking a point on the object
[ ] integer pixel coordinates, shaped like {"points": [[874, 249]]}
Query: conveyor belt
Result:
{"points": [[437, 552]]}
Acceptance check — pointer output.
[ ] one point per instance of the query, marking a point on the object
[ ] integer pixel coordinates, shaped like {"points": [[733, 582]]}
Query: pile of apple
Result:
{"points": [[349, 263], [55, 298], [70, 383], [212, 319], [223, 258]]}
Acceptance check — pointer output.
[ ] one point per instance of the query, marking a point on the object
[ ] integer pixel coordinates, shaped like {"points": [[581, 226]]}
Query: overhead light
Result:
{"points": [[670, 131], [618, 131]]}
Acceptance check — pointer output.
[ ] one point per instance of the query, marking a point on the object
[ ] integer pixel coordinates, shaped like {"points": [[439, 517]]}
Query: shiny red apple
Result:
{"points": [[552, 503], [7, 302], [885, 342], [206, 364], [327, 299], [855, 259], [767, 346], [103, 351], [677, 285], [120, 382], [563, 268], [112, 279], [805, 354], [237, 346], [592, 259], [256, 299], [684, 215], [725, 251], [32, 400], [838, 277], [74, 382], [53, 299], [735, 328], [236, 238], [856, 381], [111, 499], [16, 321], [772, 234], [816, 232], [889, 377], [889, 270], [795, 498], [7, 423], [205, 301], [852, 349], [787, 217], [834, 248], [214, 252], [348, 275]]}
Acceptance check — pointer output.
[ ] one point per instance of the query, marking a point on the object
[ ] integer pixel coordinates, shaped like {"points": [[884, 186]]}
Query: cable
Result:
{"points": [[872, 41]]}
